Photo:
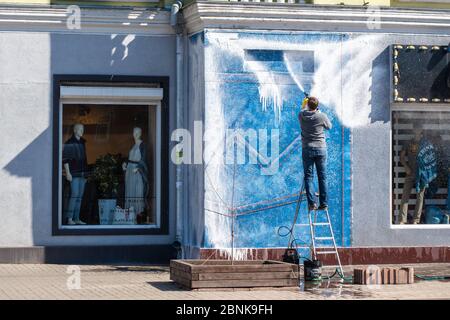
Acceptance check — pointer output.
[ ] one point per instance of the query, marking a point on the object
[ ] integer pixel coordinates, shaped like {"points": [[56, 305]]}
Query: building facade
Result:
{"points": [[125, 59], [94, 170], [255, 76]]}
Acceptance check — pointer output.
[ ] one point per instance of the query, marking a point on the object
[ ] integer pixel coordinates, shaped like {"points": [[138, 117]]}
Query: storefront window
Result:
{"points": [[421, 167], [108, 165]]}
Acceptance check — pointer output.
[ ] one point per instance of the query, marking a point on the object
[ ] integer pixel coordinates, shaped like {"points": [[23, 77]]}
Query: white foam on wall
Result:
{"points": [[342, 77], [218, 226], [270, 94], [341, 81], [238, 254]]}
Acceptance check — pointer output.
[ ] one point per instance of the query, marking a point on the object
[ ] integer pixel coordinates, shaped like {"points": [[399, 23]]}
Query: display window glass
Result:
{"points": [[421, 167], [109, 166]]}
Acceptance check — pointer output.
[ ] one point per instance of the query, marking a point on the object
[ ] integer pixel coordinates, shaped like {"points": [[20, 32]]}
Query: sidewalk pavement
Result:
{"points": [[56, 282]]}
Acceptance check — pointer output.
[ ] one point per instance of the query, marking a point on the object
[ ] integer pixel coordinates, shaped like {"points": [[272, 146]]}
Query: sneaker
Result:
{"points": [[312, 207], [79, 222], [323, 207], [70, 222]]}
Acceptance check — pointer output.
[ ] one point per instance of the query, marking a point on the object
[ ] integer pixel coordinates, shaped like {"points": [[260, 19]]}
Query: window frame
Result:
{"points": [[410, 107], [162, 219]]}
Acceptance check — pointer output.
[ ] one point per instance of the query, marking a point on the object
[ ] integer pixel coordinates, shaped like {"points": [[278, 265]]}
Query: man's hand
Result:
{"points": [[304, 103]]}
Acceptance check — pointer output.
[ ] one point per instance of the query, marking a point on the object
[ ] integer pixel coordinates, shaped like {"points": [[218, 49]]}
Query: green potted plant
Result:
{"points": [[106, 177]]}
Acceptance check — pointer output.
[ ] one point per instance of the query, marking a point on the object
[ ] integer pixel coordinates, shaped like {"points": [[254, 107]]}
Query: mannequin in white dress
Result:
{"points": [[136, 174]]}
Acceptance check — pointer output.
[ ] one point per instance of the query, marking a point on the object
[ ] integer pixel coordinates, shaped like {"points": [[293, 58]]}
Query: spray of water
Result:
{"points": [[341, 80], [295, 74]]}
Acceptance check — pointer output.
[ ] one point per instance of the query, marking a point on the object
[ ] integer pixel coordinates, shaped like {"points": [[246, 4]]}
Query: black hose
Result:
{"points": [[432, 278]]}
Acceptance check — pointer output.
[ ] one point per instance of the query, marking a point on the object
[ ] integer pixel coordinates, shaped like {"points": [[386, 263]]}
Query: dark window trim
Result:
{"points": [[163, 82]]}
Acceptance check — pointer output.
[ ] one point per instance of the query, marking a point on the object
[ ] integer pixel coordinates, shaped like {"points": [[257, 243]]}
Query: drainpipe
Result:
{"points": [[176, 7]]}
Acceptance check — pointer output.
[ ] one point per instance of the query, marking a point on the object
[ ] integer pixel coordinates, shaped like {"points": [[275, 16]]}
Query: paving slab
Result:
{"points": [[87, 282]]}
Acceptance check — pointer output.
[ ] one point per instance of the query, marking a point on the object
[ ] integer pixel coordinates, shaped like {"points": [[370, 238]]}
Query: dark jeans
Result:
{"points": [[76, 195], [317, 157]]}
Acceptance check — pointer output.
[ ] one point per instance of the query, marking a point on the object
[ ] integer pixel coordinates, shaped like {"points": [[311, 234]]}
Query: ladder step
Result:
{"points": [[324, 247], [326, 252]]}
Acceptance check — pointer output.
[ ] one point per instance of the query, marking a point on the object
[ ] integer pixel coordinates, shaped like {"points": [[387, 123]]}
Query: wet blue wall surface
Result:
{"points": [[233, 94], [351, 76]]}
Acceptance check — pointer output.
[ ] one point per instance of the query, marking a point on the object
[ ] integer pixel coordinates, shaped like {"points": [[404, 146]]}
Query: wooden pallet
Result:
{"points": [[200, 274]]}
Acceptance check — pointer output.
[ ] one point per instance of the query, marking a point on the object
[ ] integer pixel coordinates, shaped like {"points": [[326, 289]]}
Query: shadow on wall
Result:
{"points": [[101, 55], [34, 162], [380, 88], [72, 53]]}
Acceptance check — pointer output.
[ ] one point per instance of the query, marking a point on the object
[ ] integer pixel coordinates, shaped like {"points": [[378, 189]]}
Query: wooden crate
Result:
{"points": [[367, 276], [198, 274], [386, 276]]}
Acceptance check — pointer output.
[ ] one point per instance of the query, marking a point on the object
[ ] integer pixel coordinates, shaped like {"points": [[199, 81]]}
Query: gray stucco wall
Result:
{"points": [[371, 165], [27, 64]]}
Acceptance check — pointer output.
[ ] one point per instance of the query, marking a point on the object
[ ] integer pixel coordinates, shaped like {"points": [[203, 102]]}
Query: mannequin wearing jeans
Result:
{"points": [[75, 166]]}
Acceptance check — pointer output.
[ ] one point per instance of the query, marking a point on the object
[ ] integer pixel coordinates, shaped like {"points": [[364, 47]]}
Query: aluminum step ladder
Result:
{"points": [[317, 247]]}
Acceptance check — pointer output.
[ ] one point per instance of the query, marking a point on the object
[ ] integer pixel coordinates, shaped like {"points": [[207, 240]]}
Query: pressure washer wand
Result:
{"points": [[305, 100]]}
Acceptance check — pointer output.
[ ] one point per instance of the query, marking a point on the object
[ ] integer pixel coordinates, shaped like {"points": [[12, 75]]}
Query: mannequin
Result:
{"points": [[136, 174], [408, 160], [75, 166]]}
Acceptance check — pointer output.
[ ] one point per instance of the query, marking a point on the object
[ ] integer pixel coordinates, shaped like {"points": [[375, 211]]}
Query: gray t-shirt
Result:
{"points": [[313, 125]]}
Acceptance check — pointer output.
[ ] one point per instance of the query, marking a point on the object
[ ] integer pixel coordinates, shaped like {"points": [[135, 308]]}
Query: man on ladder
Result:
{"points": [[313, 124]]}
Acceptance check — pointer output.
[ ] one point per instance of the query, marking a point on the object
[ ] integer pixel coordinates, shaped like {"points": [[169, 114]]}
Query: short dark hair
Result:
{"points": [[313, 103]]}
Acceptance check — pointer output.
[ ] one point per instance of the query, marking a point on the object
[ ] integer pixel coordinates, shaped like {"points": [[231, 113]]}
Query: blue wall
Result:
{"points": [[264, 203]]}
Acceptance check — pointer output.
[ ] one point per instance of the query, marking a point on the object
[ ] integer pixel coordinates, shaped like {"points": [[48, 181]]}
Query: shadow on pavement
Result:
{"points": [[166, 286]]}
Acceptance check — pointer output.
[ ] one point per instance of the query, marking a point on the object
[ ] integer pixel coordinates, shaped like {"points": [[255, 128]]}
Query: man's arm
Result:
{"points": [[300, 119], [326, 122]]}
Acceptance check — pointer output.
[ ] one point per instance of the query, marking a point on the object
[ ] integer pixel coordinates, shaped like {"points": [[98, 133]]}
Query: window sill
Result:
{"points": [[108, 230], [420, 226]]}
